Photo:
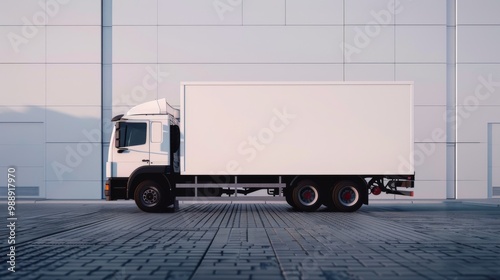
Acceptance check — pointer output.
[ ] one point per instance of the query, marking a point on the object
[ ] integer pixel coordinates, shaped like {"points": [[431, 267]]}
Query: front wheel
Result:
{"points": [[346, 196], [149, 196]]}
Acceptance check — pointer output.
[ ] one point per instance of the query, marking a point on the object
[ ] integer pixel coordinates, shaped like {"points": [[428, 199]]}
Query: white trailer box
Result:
{"points": [[344, 128]]}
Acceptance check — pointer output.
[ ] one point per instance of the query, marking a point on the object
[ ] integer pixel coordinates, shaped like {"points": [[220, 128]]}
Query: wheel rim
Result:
{"points": [[151, 196], [308, 195], [348, 196]]}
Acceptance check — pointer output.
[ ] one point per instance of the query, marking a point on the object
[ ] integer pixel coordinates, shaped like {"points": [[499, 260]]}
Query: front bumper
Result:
{"points": [[116, 188]]}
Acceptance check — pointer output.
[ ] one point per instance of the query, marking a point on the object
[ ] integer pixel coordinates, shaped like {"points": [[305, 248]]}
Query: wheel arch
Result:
{"points": [[364, 188], [155, 173]]}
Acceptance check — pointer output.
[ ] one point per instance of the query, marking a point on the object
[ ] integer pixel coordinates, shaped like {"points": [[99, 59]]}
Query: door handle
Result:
{"points": [[145, 160]]}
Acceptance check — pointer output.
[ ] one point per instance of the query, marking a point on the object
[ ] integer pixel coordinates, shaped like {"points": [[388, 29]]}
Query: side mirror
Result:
{"points": [[117, 134]]}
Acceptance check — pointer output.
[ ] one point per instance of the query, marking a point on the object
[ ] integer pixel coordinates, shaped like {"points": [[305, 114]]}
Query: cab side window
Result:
{"points": [[132, 134]]}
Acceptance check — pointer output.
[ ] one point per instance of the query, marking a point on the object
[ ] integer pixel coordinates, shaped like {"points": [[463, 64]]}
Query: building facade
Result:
{"points": [[68, 66]]}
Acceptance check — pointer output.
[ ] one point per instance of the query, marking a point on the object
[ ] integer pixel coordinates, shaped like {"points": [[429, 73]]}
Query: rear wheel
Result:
{"points": [[305, 195], [149, 196], [346, 196]]}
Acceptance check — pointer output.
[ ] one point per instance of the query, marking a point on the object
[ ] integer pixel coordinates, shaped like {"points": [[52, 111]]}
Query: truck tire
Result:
{"points": [[346, 196], [305, 196], [150, 197]]}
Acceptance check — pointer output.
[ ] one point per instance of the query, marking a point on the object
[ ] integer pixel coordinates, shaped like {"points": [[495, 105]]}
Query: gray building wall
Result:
{"points": [[50, 77], [63, 85]]}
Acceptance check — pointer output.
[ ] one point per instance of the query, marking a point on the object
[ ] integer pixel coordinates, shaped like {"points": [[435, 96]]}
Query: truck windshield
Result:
{"points": [[132, 134]]}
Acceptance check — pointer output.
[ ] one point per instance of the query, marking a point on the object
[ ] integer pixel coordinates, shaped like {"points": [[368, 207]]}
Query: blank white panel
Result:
{"points": [[74, 12], [253, 44], [369, 72], [478, 11], [369, 43], [170, 89], [72, 161], [22, 134], [478, 83], [68, 189], [74, 84], [199, 12], [430, 161], [134, 84], [430, 123], [264, 12], [363, 105], [472, 161], [478, 44], [426, 190], [472, 189], [135, 12], [22, 44], [22, 114], [22, 84], [144, 41], [430, 82], [303, 12], [473, 122], [421, 12], [77, 44], [421, 44], [26, 12], [369, 12], [73, 124]]}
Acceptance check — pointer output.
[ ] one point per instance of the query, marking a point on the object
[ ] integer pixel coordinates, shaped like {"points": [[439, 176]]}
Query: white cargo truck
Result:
{"points": [[320, 143]]}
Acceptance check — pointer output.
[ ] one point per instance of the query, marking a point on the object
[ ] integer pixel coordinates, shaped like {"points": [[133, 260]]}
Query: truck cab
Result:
{"points": [[144, 141]]}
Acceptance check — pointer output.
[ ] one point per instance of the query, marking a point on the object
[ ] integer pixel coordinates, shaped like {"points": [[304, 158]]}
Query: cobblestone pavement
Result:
{"points": [[254, 241]]}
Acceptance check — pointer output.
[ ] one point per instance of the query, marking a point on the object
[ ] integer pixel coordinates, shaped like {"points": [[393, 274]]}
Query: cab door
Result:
{"points": [[160, 143], [131, 147]]}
